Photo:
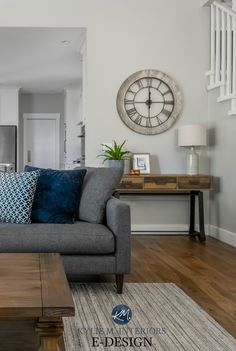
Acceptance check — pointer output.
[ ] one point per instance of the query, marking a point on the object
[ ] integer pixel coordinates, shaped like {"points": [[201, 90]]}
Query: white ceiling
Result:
{"points": [[36, 60]]}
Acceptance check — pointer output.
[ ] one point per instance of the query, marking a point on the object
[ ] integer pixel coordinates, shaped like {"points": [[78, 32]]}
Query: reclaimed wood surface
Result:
{"points": [[18, 335], [156, 182], [194, 182], [20, 285], [34, 296], [56, 296]]}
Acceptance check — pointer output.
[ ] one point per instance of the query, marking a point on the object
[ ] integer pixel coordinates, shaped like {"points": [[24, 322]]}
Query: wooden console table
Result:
{"points": [[156, 184]]}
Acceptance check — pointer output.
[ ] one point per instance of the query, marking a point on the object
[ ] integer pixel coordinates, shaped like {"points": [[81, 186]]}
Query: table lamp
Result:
{"points": [[192, 136]]}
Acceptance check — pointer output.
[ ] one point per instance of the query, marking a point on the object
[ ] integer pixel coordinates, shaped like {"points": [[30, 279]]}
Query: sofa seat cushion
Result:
{"points": [[77, 238]]}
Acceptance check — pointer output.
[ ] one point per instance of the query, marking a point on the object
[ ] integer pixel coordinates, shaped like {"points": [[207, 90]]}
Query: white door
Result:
{"points": [[41, 140]]}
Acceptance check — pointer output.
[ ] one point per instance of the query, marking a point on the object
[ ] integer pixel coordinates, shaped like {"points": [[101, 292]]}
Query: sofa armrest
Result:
{"points": [[118, 221]]}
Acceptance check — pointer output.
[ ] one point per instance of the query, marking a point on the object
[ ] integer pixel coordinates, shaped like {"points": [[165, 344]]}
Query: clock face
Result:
{"points": [[149, 102]]}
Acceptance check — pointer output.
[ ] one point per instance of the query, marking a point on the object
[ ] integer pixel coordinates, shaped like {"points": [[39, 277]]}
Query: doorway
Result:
{"points": [[42, 71], [41, 136]]}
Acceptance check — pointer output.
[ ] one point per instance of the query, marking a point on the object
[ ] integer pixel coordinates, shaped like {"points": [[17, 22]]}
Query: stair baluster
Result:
{"points": [[222, 73]]}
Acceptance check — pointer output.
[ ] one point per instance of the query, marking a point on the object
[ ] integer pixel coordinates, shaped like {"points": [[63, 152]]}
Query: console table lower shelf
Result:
{"points": [[154, 185]]}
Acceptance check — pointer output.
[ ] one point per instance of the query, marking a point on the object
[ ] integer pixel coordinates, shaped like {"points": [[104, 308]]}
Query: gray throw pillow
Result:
{"points": [[98, 186]]}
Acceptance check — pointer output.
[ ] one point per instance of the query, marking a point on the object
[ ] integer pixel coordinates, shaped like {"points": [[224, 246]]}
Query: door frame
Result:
{"points": [[42, 116]]}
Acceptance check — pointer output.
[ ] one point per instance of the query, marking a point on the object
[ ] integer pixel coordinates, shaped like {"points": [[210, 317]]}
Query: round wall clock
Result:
{"points": [[149, 102]]}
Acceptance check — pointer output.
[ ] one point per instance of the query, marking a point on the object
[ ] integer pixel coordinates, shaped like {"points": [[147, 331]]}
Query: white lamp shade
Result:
{"points": [[192, 135]]}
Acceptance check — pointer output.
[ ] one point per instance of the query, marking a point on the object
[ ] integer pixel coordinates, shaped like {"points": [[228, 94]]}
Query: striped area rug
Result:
{"points": [[164, 318]]}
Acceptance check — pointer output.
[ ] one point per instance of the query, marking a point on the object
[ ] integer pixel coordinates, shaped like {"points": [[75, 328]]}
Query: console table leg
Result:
{"points": [[192, 214], [202, 236], [50, 331]]}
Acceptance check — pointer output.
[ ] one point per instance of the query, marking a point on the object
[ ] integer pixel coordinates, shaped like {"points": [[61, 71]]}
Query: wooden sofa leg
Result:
{"points": [[119, 283]]}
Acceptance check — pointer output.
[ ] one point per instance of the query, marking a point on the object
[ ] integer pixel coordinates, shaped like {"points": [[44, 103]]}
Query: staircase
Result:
{"points": [[222, 73]]}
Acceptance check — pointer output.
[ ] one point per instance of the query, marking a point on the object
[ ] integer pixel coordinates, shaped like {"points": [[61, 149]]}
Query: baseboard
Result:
{"points": [[163, 229], [222, 235], [158, 228]]}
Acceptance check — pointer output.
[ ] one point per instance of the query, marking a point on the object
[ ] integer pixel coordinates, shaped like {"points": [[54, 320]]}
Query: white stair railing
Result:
{"points": [[222, 73]]}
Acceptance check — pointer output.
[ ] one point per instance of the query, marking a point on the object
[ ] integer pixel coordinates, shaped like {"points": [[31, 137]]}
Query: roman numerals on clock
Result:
{"points": [[148, 123], [149, 102], [134, 116], [159, 121], [138, 119], [140, 83], [171, 102], [131, 112], [128, 102], [149, 81], [166, 112]]}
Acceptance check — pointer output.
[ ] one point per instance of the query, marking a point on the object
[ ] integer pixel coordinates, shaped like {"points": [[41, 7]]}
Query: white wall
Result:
{"points": [[141, 37], [123, 37], [169, 36], [72, 118], [9, 111], [223, 167], [41, 103], [9, 106]]}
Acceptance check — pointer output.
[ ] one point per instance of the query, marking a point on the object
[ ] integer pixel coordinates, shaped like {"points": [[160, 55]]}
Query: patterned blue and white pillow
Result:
{"points": [[17, 195]]}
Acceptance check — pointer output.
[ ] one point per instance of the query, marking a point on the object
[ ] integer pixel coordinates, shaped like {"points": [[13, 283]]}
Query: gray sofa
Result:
{"points": [[85, 248]]}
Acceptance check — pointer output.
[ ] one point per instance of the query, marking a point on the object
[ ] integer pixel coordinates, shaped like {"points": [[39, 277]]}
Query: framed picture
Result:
{"points": [[141, 162]]}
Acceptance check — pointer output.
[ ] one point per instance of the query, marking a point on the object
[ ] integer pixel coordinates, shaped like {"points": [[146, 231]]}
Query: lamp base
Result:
{"points": [[192, 162]]}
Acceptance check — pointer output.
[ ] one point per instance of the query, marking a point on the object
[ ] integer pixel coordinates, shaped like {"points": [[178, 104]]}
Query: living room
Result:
{"points": [[67, 70]]}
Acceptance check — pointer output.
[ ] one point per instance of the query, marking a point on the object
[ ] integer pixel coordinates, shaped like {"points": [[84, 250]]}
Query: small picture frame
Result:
{"points": [[142, 162]]}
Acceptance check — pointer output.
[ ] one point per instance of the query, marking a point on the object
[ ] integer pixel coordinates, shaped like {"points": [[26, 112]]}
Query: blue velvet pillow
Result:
{"points": [[57, 195]]}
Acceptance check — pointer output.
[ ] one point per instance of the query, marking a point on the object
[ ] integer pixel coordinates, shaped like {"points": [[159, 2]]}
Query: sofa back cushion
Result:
{"points": [[57, 195], [17, 193], [99, 185]]}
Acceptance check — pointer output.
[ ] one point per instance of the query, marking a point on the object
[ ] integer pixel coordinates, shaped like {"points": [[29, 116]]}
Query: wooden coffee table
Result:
{"points": [[34, 296]]}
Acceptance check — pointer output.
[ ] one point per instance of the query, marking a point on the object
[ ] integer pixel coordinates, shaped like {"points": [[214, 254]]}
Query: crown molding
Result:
{"points": [[7, 89]]}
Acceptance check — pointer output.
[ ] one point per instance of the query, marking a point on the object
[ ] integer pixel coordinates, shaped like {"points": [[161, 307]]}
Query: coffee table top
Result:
{"points": [[34, 285]]}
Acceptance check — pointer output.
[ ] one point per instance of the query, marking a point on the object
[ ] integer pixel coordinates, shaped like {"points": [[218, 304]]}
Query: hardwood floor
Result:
{"points": [[205, 271]]}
